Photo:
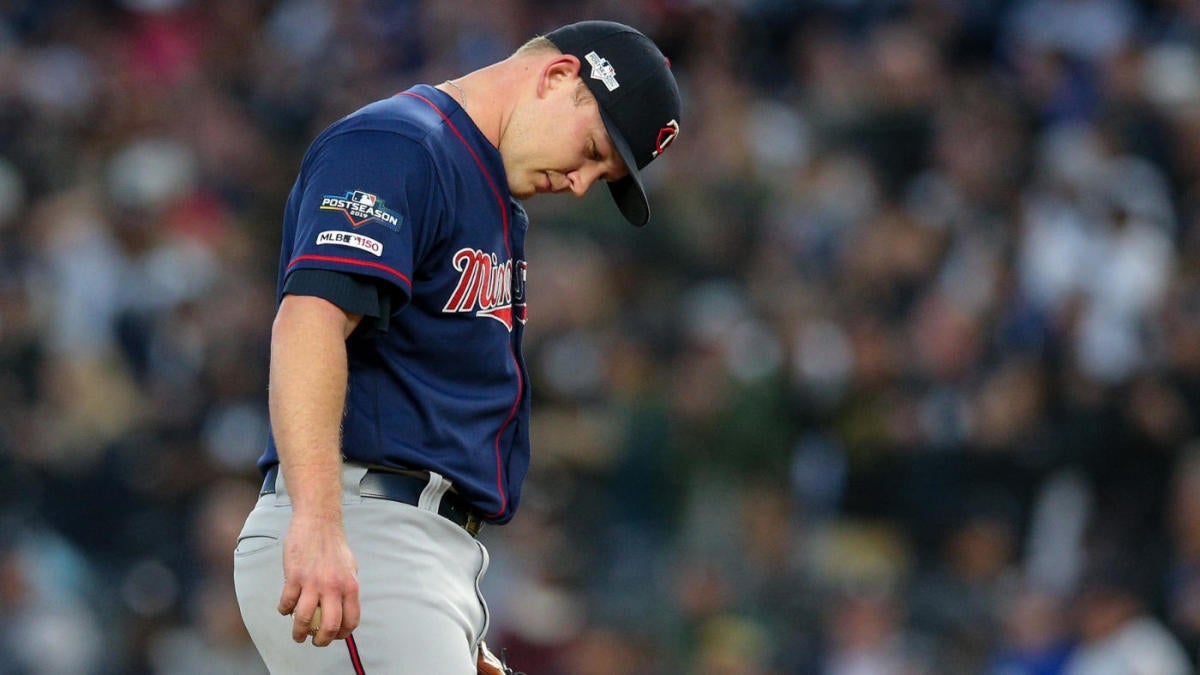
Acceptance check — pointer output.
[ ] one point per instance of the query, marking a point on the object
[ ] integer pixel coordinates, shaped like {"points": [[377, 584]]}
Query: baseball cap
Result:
{"points": [[637, 96]]}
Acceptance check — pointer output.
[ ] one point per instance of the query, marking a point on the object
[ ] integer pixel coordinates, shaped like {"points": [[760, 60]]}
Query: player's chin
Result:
{"points": [[523, 191]]}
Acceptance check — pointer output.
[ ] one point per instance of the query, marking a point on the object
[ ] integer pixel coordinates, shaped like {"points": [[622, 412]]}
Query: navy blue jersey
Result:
{"points": [[408, 193]]}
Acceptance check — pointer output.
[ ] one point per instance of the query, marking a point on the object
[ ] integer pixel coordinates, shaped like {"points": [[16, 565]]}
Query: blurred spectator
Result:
{"points": [[957, 602], [1036, 638], [916, 326], [45, 596], [1183, 580], [867, 637], [1116, 631]]}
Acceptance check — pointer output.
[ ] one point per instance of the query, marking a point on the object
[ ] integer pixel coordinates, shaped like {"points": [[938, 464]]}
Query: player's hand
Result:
{"points": [[319, 570]]}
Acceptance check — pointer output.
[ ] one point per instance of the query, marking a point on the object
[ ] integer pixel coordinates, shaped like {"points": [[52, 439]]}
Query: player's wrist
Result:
{"points": [[318, 515]]}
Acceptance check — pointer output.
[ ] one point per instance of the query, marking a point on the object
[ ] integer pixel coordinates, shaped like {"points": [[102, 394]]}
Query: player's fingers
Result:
{"points": [[289, 596], [302, 617], [351, 612], [327, 622]]}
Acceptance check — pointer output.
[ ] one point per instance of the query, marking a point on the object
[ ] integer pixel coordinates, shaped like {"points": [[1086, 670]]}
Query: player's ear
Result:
{"points": [[557, 72]]}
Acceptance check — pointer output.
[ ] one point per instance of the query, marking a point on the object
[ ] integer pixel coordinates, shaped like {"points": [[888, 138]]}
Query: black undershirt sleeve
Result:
{"points": [[356, 294]]}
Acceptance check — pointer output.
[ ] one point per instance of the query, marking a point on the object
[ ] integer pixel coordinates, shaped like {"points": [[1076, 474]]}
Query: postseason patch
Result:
{"points": [[362, 207], [351, 239], [603, 70]]}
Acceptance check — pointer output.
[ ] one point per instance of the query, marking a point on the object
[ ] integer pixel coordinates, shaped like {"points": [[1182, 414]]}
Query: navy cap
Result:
{"points": [[637, 95]]}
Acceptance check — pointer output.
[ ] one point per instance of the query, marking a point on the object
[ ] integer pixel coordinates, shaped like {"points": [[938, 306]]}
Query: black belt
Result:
{"points": [[406, 488]]}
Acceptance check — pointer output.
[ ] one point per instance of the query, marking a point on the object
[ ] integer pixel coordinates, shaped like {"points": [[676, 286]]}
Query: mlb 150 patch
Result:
{"points": [[362, 207], [350, 239]]}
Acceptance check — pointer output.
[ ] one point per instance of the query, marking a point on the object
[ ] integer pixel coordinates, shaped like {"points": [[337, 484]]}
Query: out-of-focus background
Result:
{"points": [[903, 377]]}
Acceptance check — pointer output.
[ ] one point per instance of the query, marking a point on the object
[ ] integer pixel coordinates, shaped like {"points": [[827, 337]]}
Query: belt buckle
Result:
{"points": [[473, 525]]}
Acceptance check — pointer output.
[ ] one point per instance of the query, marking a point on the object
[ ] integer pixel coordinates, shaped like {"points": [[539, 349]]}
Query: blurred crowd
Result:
{"points": [[902, 379]]}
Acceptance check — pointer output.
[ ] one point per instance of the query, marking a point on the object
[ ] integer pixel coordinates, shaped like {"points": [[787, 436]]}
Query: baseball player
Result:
{"points": [[399, 397]]}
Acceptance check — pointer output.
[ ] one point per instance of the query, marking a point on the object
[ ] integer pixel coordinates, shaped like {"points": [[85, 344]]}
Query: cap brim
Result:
{"points": [[627, 192]]}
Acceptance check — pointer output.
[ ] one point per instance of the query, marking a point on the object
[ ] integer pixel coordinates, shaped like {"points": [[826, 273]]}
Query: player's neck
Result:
{"points": [[488, 95]]}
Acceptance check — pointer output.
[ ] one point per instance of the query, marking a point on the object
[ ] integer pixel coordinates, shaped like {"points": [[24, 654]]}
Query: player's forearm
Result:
{"points": [[306, 400]]}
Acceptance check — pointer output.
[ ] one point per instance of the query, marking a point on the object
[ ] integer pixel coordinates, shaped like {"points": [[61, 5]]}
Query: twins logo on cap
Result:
{"points": [[666, 136]]}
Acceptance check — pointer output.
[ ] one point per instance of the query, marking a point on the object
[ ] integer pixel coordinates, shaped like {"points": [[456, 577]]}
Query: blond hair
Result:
{"points": [[538, 44], [541, 44]]}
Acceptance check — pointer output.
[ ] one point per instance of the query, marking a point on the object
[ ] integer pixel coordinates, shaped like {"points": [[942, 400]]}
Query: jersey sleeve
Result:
{"points": [[368, 205], [354, 293]]}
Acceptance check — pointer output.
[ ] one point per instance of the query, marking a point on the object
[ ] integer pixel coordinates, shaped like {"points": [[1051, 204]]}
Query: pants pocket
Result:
{"points": [[251, 543]]}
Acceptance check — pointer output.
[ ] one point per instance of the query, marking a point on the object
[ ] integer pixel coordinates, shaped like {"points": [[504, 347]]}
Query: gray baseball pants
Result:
{"points": [[418, 576]]}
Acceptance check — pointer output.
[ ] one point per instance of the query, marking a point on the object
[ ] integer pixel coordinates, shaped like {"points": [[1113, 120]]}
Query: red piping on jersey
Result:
{"points": [[351, 261], [352, 647], [483, 169], [507, 249]]}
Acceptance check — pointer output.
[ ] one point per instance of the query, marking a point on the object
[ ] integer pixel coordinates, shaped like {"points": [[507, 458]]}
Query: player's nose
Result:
{"points": [[583, 179]]}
